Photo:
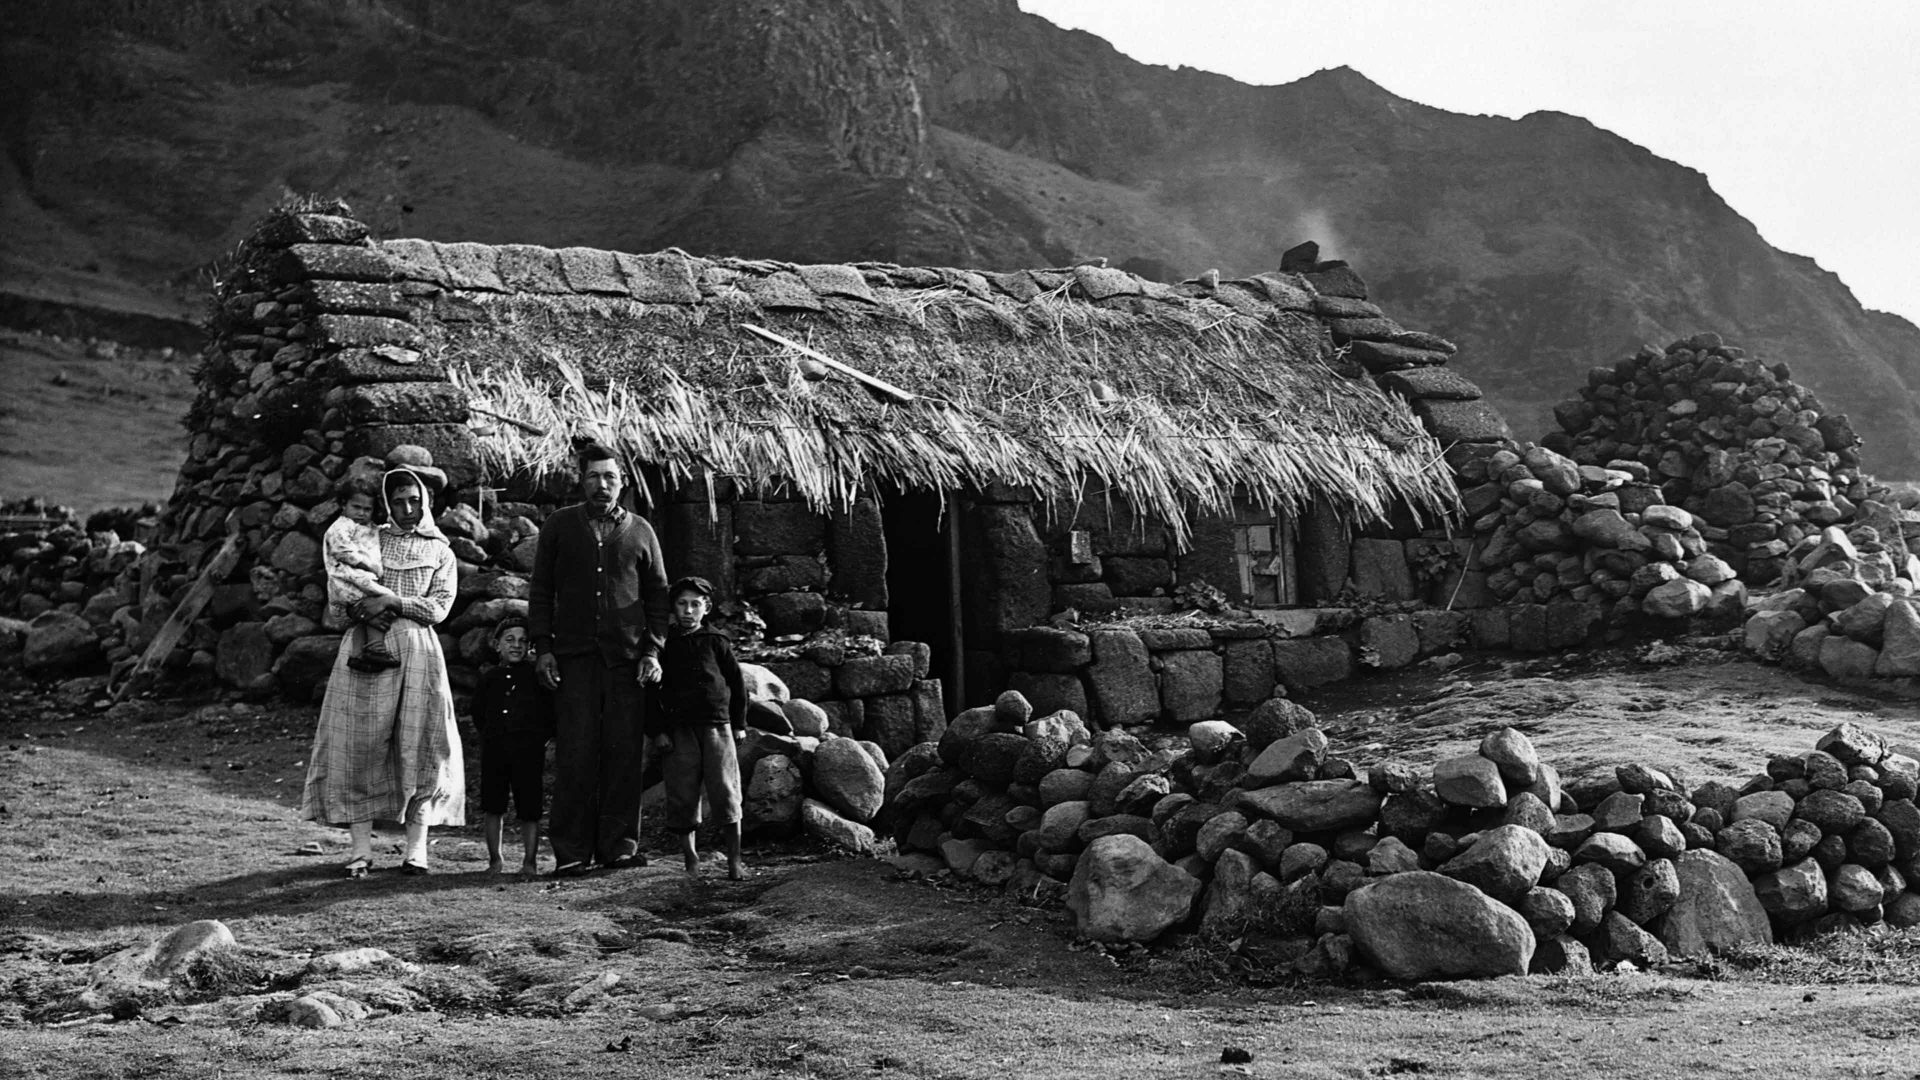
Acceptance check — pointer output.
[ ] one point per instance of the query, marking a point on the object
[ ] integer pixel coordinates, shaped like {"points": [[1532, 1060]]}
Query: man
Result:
{"points": [[598, 615]]}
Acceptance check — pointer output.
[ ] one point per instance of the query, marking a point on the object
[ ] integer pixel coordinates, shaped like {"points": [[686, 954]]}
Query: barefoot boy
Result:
{"points": [[515, 716], [703, 709], [350, 553]]}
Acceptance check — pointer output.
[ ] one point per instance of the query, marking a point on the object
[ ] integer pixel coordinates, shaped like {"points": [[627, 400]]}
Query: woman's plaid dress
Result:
{"points": [[387, 738]]}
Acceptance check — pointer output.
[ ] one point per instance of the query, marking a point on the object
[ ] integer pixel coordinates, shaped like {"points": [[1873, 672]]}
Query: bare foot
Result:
{"points": [[496, 866], [693, 867], [738, 872], [529, 870]]}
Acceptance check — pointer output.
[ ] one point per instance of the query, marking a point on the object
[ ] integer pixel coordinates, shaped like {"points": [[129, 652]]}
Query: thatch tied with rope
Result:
{"points": [[1062, 381]]}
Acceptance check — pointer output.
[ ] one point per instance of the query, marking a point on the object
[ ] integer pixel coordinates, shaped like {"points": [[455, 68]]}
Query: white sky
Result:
{"points": [[1804, 116]]}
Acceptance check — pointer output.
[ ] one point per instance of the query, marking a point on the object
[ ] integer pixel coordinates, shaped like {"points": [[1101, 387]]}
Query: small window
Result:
{"points": [[1263, 547]]}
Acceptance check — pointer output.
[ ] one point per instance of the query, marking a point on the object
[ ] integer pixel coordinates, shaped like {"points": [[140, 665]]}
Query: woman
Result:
{"points": [[386, 746]]}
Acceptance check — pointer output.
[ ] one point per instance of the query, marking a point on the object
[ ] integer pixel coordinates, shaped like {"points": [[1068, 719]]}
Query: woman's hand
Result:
{"points": [[379, 611]]}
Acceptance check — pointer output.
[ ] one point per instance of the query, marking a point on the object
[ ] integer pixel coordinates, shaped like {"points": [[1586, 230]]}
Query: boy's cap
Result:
{"points": [[507, 624], [692, 584]]}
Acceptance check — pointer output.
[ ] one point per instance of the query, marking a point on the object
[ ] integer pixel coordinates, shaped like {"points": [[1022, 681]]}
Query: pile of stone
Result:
{"points": [[803, 767], [73, 590], [1548, 529], [1734, 441], [1488, 865], [1835, 623]]}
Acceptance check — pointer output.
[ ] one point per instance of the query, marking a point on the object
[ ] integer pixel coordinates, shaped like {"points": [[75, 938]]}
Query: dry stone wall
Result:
{"points": [[1261, 827]]}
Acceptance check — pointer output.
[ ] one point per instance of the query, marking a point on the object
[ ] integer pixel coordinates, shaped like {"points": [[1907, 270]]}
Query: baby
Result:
{"points": [[350, 553]]}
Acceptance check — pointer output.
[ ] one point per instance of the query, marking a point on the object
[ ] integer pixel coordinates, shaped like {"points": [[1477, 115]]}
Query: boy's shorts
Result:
{"points": [[702, 759], [513, 764]]}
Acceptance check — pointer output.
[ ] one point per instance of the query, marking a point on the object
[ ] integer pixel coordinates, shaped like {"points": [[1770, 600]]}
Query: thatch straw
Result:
{"points": [[1206, 405]]}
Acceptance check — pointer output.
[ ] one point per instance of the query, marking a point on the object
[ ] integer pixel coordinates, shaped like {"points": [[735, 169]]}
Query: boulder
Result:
{"points": [[1793, 894], [1276, 718], [1471, 781], [145, 974], [820, 820], [1122, 891], [58, 641], [1294, 757], [846, 778], [1316, 805], [1648, 892], [1753, 845], [1593, 889], [1423, 925], [1503, 863], [1229, 904], [1513, 753], [806, 718], [1625, 940], [773, 793], [1549, 912], [1716, 909], [1213, 740]]}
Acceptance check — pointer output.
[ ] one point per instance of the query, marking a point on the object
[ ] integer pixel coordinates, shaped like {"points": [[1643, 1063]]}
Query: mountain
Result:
{"points": [[144, 136]]}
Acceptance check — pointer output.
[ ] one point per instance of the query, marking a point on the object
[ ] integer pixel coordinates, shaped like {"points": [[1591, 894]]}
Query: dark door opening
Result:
{"points": [[920, 581]]}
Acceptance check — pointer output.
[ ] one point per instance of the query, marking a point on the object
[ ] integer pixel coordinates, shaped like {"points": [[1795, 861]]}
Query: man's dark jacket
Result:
{"points": [[591, 597]]}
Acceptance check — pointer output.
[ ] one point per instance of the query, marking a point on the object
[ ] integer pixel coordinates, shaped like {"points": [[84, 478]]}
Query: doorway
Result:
{"points": [[922, 586]]}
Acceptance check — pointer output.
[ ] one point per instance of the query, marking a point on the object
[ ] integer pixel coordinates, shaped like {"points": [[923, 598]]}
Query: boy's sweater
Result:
{"points": [[700, 682], [511, 701]]}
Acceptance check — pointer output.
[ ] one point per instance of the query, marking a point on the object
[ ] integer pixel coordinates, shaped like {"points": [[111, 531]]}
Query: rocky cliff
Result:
{"points": [[147, 134]]}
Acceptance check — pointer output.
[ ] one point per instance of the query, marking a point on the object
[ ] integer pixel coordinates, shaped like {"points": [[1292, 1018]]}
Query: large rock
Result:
{"points": [[1504, 863], [1513, 753], [1593, 890], [1229, 903], [1648, 892], [1122, 891], [846, 778], [244, 654], [1191, 684], [773, 794], [1121, 680], [994, 758], [820, 820], [1316, 805], [1716, 909], [140, 975], [59, 641], [1679, 599], [306, 663], [1296, 757], [1793, 894], [1275, 719], [1469, 780], [1423, 925]]}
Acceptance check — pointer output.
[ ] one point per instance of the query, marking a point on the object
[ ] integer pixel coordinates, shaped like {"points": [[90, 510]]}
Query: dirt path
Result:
{"points": [[119, 825]]}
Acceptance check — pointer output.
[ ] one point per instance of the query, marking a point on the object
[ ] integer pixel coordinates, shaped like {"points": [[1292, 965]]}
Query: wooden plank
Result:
{"points": [[177, 624]]}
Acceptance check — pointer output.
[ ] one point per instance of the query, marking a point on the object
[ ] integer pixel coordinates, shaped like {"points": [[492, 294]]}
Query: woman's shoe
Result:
{"points": [[357, 867], [413, 869]]}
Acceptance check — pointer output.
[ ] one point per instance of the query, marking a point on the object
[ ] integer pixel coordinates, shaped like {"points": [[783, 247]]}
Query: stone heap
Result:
{"points": [[802, 764], [1834, 622], [1731, 440], [1548, 529], [1506, 869], [73, 590]]}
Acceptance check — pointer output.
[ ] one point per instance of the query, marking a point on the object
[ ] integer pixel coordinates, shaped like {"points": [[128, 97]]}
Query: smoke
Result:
{"points": [[1317, 224]]}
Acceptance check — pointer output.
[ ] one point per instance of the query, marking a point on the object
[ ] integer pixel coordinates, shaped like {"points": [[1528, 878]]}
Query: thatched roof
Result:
{"points": [[1060, 380]]}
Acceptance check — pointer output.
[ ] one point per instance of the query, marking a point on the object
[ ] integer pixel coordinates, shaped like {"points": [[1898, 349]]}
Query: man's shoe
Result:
{"points": [[570, 870]]}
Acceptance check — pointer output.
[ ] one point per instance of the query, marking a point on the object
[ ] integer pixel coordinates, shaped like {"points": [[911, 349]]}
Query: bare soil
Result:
{"points": [[118, 824]]}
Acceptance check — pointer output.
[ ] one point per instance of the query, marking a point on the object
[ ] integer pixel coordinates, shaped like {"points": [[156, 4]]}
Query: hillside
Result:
{"points": [[147, 134]]}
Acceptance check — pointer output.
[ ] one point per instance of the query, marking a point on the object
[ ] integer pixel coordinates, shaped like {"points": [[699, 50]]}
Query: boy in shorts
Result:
{"points": [[514, 715], [703, 711]]}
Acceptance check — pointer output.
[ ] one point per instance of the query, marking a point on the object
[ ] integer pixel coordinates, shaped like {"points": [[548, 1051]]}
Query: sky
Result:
{"points": [[1805, 117]]}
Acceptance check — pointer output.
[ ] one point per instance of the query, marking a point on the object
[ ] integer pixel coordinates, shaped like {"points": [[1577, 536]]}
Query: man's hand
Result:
{"points": [[662, 743], [739, 734], [649, 669], [548, 668]]}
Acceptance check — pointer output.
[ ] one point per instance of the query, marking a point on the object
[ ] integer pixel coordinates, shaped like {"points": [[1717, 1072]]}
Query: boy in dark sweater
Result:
{"points": [[515, 716], [702, 711]]}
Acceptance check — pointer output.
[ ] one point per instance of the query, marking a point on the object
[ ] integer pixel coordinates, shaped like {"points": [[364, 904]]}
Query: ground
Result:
{"points": [[121, 823], [58, 396]]}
